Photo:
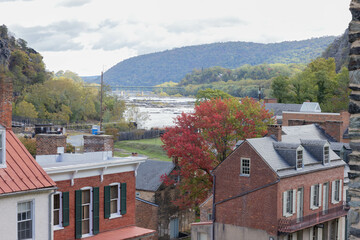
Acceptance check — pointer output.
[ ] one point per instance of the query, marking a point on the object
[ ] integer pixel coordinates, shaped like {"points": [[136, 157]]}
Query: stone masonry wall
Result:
{"points": [[354, 127], [98, 143]]}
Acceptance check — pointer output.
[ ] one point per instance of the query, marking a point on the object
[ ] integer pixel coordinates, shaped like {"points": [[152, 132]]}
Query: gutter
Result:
{"points": [[28, 191], [231, 198]]}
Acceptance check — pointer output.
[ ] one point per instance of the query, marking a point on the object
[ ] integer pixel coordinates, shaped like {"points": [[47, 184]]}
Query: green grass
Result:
{"points": [[149, 147]]}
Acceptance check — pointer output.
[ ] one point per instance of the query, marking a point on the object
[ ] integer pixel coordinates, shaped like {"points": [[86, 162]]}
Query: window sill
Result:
{"points": [[288, 215], [314, 208], [87, 235], [115, 216], [244, 175], [55, 228]]}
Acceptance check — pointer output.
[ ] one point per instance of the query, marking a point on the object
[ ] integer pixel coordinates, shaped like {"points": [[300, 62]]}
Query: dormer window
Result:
{"points": [[2, 147], [326, 154], [299, 158]]}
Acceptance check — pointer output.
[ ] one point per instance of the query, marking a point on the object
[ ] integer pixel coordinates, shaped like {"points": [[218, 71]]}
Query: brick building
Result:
{"points": [[171, 221], [96, 192], [273, 189]]}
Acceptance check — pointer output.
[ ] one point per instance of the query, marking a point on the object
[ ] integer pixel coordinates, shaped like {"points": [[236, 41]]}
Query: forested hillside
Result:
{"points": [[172, 65]]}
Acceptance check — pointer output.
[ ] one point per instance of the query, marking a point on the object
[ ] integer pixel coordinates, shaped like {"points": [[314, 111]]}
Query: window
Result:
{"points": [[289, 202], [289, 237], [336, 191], [326, 155], [25, 220], [209, 216], [299, 158], [315, 196], [57, 210], [2, 146], [114, 200], [245, 167], [86, 212]]}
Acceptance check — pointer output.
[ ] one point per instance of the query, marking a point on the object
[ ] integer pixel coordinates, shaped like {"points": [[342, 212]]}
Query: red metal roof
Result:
{"points": [[123, 233], [22, 172]]}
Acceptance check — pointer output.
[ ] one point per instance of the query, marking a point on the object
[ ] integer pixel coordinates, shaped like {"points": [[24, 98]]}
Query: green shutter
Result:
{"points": [[123, 198], [95, 210], [107, 202], [65, 209], [78, 213]]}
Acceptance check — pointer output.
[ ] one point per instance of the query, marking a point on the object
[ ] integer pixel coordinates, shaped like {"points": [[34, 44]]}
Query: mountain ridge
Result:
{"points": [[172, 65]]}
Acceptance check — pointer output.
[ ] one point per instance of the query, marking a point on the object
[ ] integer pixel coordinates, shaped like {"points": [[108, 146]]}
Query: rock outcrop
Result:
{"points": [[4, 53], [354, 128]]}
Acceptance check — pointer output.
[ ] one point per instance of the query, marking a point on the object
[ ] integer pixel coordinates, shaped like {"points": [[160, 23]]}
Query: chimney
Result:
{"points": [[6, 94], [98, 143], [50, 144], [275, 130]]}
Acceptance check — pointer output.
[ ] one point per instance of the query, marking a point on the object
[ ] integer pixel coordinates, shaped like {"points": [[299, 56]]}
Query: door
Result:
{"points": [[174, 228], [300, 204], [325, 197]]}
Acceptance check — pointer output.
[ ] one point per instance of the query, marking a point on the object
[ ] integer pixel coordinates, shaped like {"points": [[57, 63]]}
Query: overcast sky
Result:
{"points": [[88, 36]]}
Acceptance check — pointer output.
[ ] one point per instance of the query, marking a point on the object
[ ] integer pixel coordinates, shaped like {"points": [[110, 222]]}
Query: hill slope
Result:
{"points": [[339, 50], [173, 65]]}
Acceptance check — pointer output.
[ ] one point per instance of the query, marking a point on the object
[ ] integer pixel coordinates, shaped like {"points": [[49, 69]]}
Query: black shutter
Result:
{"points": [[78, 213], [95, 210], [107, 202], [123, 198]]}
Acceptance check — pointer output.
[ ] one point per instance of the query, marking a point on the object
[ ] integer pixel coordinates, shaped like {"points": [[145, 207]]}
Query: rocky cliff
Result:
{"points": [[354, 128], [4, 53]]}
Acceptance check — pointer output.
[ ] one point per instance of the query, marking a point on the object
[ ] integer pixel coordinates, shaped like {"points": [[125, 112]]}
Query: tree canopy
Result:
{"points": [[201, 140]]}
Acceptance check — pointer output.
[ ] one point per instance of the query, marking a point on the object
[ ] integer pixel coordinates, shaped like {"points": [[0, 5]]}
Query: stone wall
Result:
{"points": [[98, 143], [354, 127], [48, 144]]}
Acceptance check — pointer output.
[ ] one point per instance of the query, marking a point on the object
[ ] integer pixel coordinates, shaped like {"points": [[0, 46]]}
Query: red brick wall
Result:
{"points": [[47, 144], [127, 219], [98, 143], [334, 125], [254, 210], [6, 93], [306, 181], [146, 215]]}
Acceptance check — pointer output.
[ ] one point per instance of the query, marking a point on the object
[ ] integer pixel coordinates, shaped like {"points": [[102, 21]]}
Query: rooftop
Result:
{"points": [[22, 172]]}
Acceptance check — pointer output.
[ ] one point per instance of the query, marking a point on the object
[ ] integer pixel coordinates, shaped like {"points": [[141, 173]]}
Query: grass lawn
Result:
{"points": [[149, 147]]}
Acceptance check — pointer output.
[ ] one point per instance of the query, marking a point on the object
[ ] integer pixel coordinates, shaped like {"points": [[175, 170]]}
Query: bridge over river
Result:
{"points": [[142, 89]]}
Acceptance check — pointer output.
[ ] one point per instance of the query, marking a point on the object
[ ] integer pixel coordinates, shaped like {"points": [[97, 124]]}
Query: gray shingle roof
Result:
{"points": [[282, 166], [278, 108], [149, 173]]}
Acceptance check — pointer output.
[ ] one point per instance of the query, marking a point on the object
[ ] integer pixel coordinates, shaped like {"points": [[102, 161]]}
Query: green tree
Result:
{"points": [[280, 87], [208, 94], [26, 109]]}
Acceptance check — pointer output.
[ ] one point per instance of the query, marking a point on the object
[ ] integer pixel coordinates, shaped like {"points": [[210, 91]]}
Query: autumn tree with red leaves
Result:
{"points": [[201, 140]]}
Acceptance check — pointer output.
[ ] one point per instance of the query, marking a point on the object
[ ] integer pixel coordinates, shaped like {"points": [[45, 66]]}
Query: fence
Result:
{"points": [[140, 134]]}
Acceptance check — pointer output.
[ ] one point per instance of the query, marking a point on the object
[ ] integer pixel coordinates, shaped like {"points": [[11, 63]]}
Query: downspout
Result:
{"points": [[50, 214], [213, 210]]}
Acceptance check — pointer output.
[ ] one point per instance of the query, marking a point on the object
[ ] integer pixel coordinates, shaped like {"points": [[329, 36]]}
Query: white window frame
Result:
{"points": [[242, 168], [300, 149], [60, 225], [333, 191], [90, 212], [32, 208], [314, 197], [118, 213], [326, 156], [289, 202], [2, 147]]}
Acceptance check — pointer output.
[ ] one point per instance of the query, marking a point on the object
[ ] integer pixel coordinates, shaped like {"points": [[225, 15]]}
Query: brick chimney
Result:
{"points": [[50, 144], [6, 94], [275, 130], [98, 143]]}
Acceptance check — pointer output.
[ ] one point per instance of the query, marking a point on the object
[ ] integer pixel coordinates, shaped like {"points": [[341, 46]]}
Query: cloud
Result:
{"points": [[58, 36], [15, 0], [73, 3], [203, 24]]}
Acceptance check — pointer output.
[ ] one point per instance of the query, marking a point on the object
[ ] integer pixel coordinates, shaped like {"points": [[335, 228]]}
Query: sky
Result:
{"points": [[90, 36]]}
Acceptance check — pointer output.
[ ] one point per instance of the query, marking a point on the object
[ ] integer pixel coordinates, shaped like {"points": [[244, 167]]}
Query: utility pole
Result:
{"points": [[101, 100]]}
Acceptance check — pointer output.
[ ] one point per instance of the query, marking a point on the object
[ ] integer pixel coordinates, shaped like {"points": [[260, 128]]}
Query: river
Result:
{"points": [[161, 111]]}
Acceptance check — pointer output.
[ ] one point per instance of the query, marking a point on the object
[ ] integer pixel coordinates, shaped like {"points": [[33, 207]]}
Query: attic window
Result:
{"points": [[299, 158], [2, 147], [326, 155]]}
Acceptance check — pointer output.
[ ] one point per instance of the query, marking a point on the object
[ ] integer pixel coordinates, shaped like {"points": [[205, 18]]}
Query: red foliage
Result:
{"points": [[201, 140]]}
